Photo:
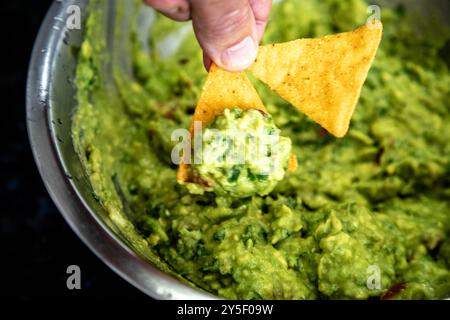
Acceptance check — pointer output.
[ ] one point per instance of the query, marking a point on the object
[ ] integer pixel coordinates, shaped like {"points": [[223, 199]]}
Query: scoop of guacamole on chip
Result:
{"points": [[366, 216], [243, 154]]}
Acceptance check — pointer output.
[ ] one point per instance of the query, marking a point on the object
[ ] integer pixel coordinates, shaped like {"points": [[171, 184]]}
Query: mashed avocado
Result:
{"points": [[242, 154], [364, 216]]}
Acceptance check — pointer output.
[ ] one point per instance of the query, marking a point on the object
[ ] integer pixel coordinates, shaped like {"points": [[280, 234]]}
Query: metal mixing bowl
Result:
{"points": [[50, 103]]}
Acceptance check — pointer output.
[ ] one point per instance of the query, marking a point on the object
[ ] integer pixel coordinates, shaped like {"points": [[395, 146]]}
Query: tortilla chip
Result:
{"points": [[292, 163], [321, 77], [224, 90], [183, 174], [221, 90]]}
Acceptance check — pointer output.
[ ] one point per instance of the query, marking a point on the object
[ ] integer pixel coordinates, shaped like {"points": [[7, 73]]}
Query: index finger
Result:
{"points": [[175, 9], [261, 11]]}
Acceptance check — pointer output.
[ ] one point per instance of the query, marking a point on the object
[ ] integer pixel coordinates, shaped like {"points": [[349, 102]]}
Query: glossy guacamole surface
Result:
{"points": [[365, 216]]}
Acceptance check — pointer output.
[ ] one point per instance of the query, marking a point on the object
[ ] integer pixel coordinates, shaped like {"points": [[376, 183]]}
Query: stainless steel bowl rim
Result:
{"points": [[85, 223]]}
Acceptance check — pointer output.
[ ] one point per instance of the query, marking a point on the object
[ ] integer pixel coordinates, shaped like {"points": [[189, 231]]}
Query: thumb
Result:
{"points": [[226, 30]]}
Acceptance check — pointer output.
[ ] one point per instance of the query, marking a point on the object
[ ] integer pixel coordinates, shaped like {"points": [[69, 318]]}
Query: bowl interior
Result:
{"points": [[51, 103]]}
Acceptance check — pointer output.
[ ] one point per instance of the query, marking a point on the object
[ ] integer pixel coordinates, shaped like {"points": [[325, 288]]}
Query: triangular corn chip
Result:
{"points": [[222, 90], [321, 77], [225, 90]]}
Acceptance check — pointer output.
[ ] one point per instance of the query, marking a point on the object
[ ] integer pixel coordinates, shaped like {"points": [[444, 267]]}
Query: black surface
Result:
{"points": [[37, 244]]}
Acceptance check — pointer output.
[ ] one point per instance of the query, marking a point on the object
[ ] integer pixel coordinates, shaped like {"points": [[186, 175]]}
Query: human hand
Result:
{"points": [[228, 31]]}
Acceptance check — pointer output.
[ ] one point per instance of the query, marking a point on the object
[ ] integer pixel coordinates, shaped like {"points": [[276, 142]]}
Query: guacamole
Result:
{"points": [[242, 155], [365, 216]]}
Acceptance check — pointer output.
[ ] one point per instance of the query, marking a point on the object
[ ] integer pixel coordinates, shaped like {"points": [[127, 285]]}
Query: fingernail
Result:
{"points": [[240, 56]]}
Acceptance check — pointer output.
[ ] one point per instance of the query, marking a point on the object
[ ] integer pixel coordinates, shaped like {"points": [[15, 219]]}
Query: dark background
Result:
{"points": [[37, 245]]}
